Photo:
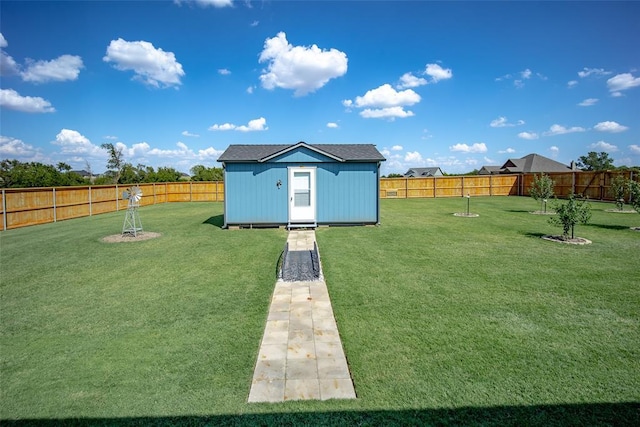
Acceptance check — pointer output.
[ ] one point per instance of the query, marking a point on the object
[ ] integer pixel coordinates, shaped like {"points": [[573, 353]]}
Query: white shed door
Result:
{"points": [[302, 195]]}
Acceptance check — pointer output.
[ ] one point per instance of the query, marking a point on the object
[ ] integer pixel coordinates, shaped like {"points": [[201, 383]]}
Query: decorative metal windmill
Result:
{"points": [[132, 224]]}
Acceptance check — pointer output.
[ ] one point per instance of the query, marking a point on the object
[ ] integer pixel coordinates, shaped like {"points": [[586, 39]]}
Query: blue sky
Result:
{"points": [[457, 85]]}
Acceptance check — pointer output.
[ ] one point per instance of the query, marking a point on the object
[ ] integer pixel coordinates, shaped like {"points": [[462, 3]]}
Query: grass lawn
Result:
{"points": [[444, 320]]}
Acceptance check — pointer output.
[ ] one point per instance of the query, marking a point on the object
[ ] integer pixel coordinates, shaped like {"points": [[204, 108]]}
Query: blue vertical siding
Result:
{"points": [[345, 192], [252, 196]]}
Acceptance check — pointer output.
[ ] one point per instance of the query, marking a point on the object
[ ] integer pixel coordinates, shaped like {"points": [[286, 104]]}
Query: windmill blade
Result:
{"points": [[136, 193]]}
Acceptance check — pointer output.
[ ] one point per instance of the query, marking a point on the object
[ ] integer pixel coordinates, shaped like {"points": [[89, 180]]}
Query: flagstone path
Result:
{"points": [[301, 355]]}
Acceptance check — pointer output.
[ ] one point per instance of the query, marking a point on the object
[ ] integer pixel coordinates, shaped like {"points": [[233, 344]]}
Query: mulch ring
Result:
{"points": [[122, 238], [626, 211], [542, 213], [562, 239]]}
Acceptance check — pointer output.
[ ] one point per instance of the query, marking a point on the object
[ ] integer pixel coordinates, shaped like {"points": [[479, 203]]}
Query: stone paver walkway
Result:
{"points": [[301, 355]]}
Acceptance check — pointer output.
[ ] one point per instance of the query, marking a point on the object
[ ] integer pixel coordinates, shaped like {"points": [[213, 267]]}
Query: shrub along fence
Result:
{"points": [[29, 206]]}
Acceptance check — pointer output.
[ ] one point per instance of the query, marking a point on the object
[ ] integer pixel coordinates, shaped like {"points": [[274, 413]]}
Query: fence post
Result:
{"points": [[462, 189], [490, 187], [90, 205], [406, 188], [55, 218], [4, 211], [117, 199], [190, 191]]}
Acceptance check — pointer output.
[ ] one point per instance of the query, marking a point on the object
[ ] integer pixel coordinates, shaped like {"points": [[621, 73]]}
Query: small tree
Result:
{"points": [[116, 160], [542, 189], [571, 213], [634, 191], [618, 189]]}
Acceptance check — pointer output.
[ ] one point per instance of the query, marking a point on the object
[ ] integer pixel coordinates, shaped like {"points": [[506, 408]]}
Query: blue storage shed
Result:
{"points": [[301, 185]]}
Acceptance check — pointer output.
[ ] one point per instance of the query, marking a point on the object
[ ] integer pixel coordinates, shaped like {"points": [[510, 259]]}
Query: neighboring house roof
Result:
{"points": [[533, 163], [338, 152], [489, 170], [417, 172]]}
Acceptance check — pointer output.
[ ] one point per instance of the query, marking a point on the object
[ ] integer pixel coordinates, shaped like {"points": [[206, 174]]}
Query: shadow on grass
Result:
{"points": [[520, 210], [609, 226], [595, 414], [536, 235], [216, 221]]}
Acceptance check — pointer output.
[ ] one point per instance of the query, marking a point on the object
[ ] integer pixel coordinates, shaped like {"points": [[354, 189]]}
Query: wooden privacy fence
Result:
{"points": [[30, 206], [594, 185]]}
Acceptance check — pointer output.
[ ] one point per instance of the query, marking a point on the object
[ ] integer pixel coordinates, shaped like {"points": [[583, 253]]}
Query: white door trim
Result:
{"points": [[302, 194]]}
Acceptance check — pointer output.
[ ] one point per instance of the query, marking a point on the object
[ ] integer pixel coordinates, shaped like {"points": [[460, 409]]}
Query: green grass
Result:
{"points": [[444, 320]]}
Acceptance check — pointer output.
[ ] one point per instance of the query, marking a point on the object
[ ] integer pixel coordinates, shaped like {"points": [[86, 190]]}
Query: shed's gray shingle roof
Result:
{"points": [[347, 152]]}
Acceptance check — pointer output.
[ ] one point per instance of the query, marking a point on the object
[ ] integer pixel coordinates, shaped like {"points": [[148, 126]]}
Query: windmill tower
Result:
{"points": [[132, 224]]}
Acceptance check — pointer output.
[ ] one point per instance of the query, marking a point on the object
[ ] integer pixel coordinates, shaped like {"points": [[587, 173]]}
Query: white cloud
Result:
{"points": [[397, 148], [523, 75], [622, 82], [332, 125], [303, 69], [604, 146], [386, 103], [224, 71], [73, 142], [413, 157], [507, 151], [253, 125], [187, 133], [8, 65], [250, 90], [554, 151], [561, 130], [152, 66], [183, 156], [386, 113], [608, 126], [501, 122], [12, 147], [478, 147], [528, 135], [586, 72], [12, 100], [408, 80], [572, 83], [386, 96], [437, 73], [254, 24], [588, 102], [207, 3], [215, 3], [635, 149], [65, 67]]}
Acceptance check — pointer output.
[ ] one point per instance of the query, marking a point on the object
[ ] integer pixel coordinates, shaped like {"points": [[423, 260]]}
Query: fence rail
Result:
{"points": [[30, 206]]}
